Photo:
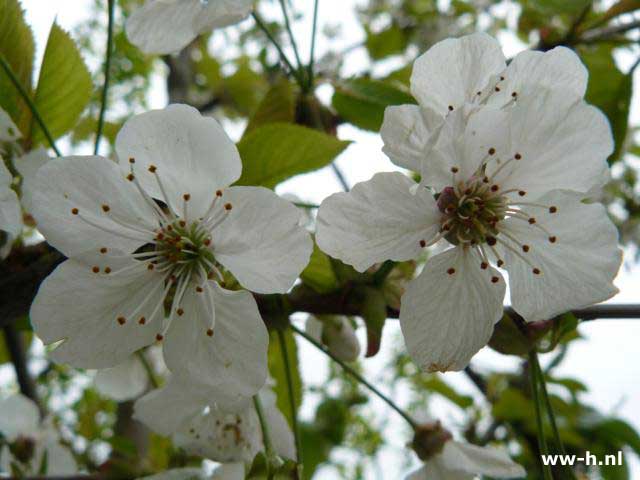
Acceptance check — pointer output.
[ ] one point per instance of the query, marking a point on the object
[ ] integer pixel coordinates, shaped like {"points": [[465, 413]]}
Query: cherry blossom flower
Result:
{"points": [[151, 240], [167, 26], [207, 429], [510, 183], [31, 442], [462, 461]]}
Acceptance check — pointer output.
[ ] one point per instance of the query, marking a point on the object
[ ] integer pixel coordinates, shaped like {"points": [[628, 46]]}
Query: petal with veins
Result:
{"points": [[471, 459], [28, 166], [453, 71], [191, 154], [97, 314], [69, 197], [449, 310], [261, 242], [377, 220], [576, 269], [233, 359]]}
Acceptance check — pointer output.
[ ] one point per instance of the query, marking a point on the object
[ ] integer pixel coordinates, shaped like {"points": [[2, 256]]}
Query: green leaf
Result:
{"points": [[550, 7], [245, 87], [390, 41], [362, 101], [278, 151], [17, 47], [508, 339], [64, 86], [278, 105], [319, 273], [610, 90], [434, 383], [374, 314], [277, 370]]}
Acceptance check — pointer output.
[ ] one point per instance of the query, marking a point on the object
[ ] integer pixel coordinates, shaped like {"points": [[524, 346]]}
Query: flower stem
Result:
{"points": [[310, 206], [292, 400], [283, 57], [383, 272], [266, 437], [313, 44], [358, 377], [287, 24], [107, 75], [549, 408], [542, 440], [32, 106]]}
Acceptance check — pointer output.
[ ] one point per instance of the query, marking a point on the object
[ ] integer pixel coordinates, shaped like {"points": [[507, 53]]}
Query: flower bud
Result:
{"points": [[337, 333]]}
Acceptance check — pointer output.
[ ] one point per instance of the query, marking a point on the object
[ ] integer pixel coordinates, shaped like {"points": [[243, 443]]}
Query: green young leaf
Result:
{"points": [[391, 41], [278, 105], [610, 90], [17, 47], [435, 383], [319, 273], [245, 87], [362, 101], [277, 371], [508, 339], [64, 86], [278, 151], [374, 314]]}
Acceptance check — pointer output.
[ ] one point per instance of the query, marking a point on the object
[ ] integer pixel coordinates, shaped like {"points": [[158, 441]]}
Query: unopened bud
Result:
{"points": [[337, 333]]}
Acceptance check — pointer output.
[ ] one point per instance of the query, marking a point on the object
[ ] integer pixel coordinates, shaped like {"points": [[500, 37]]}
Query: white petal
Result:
{"points": [[471, 459], [408, 132], [377, 220], [221, 13], [123, 382], [447, 317], [261, 242], [559, 69], [564, 143], [89, 183], [229, 471], [178, 474], [452, 71], [234, 358], [433, 469], [20, 417], [8, 130], [192, 153], [169, 409], [164, 26], [576, 271], [279, 430], [27, 166], [60, 461], [10, 215], [83, 308]]}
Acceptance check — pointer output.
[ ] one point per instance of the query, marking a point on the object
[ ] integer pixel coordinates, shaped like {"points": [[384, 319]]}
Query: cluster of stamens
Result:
{"points": [[180, 249], [473, 212]]}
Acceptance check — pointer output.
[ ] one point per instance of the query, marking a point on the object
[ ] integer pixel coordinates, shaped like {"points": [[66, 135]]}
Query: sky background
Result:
{"points": [[606, 360]]}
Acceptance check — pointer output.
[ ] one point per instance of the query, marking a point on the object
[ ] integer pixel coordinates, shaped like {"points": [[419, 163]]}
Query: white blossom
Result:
{"points": [[151, 239], [167, 26], [462, 461], [210, 429], [20, 423], [337, 333], [510, 181]]}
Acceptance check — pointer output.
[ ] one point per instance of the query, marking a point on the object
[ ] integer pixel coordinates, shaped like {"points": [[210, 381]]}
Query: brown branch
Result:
{"points": [[15, 347]]}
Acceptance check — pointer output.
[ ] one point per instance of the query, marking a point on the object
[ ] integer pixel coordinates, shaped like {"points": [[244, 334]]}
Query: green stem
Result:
{"points": [[292, 400], [358, 377], [284, 58], [313, 44], [542, 440], [383, 272], [287, 25], [32, 106], [107, 76], [266, 437], [549, 408], [147, 366]]}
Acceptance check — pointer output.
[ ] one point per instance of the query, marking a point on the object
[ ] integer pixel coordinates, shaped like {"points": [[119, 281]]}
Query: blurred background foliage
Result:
{"points": [[235, 74]]}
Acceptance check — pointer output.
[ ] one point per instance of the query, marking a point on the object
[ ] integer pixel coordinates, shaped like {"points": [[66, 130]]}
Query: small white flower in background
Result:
{"points": [[167, 26], [510, 181], [37, 441], [10, 214], [227, 471], [225, 431], [462, 461], [337, 333], [152, 234]]}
